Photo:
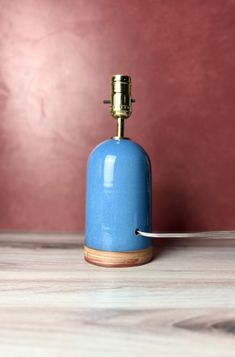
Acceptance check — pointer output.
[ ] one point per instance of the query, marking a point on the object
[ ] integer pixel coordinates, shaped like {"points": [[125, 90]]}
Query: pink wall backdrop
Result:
{"points": [[56, 61]]}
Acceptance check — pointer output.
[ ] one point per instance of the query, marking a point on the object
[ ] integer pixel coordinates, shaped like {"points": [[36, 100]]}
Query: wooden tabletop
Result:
{"points": [[54, 304]]}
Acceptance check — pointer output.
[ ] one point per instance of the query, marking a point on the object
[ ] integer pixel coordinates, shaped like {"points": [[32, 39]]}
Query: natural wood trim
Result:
{"points": [[117, 259]]}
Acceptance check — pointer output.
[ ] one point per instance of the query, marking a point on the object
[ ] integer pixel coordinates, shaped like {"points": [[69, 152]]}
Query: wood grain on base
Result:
{"points": [[117, 259]]}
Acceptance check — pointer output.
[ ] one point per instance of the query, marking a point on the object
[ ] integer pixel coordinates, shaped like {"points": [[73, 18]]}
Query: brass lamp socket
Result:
{"points": [[121, 102], [121, 96]]}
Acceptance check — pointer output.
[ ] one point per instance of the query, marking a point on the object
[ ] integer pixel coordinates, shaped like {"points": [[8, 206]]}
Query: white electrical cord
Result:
{"points": [[208, 234]]}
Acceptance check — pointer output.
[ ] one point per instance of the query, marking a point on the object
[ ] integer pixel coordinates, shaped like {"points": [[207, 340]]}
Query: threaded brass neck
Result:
{"points": [[120, 129]]}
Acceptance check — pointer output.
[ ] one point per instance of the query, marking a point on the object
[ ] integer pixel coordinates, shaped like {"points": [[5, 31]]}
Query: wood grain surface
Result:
{"points": [[53, 303], [118, 259]]}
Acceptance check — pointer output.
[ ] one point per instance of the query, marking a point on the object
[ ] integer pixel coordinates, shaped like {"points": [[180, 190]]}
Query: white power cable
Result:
{"points": [[207, 234]]}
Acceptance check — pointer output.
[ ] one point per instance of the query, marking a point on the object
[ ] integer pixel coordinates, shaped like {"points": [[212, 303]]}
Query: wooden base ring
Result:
{"points": [[118, 259]]}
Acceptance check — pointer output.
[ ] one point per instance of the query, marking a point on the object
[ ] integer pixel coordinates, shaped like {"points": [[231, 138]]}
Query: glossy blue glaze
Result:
{"points": [[118, 196]]}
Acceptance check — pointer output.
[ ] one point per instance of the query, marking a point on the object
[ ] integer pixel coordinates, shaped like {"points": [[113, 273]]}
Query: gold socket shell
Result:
{"points": [[121, 96], [121, 101]]}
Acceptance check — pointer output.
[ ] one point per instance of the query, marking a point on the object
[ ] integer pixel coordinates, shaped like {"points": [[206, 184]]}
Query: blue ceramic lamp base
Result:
{"points": [[118, 202], [118, 259]]}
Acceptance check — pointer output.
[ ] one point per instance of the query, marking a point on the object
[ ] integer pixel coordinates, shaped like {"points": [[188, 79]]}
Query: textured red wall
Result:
{"points": [[56, 61]]}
